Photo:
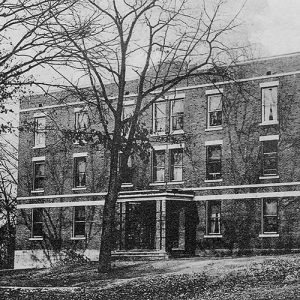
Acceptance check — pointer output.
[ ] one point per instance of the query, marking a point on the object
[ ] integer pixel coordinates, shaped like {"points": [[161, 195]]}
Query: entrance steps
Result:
{"points": [[139, 255]]}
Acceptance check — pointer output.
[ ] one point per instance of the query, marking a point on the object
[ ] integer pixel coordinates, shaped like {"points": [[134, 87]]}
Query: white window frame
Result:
{"points": [[33, 236], [263, 86], [171, 148], [74, 235], [154, 130], [38, 160], [209, 144], [39, 134], [265, 233], [181, 130], [77, 156], [210, 94], [208, 219]]}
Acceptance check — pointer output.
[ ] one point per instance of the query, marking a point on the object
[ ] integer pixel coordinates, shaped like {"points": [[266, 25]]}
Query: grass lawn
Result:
{"points": [[267, 277]]}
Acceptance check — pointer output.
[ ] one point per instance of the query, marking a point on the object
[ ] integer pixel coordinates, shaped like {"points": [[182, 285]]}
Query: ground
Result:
{"points": [[260, 277]]}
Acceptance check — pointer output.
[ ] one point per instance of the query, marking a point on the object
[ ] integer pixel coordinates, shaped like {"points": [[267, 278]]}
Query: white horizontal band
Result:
{"points": [[269, 84], [274, 137], [215, 142], [160, 147], [39, 158], [213, 92], [39, 115], [60, 204], [176, 96], [128, 102], [82, 154], [176, 146]]}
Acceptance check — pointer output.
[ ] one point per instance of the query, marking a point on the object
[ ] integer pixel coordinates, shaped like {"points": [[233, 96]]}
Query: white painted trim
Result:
{"points": [[39, 158], [79, 188], [157, 183], [160, 147], [35, 239], [248, 196], [265, 123], [269, 84], [258, 185], [213, 180], [274, 137], [82, 154], [79, 109], [213, 236], [39, 115], [37, 191], [78, 238], [175, 182], [62, 196], [176, 146], [61, 204], [215, 142], [51, 106], [214, 91], [268, 235], [128, 102], [175, 96], [213, 128], [39, 146], [269, 177]]}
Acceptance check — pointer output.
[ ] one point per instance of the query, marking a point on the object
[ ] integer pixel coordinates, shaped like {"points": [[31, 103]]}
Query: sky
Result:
{"points": [[273, 24]]}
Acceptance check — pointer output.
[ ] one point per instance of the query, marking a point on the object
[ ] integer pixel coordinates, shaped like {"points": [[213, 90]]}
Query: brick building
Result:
{"points": [[223, 174]]}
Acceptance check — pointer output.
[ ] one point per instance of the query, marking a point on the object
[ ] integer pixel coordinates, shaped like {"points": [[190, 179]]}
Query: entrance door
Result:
{"points": [[140, 225]]}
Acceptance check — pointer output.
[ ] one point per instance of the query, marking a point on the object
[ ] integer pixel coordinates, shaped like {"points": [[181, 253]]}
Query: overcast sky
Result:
{"points": [[275, 24]]}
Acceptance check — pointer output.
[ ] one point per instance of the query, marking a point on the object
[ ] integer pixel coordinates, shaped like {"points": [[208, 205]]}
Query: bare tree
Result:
{"points": [[161, 44]]}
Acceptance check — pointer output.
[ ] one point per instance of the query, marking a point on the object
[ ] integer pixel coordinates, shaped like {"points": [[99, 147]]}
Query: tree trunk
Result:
{"points": [[108, 230]]}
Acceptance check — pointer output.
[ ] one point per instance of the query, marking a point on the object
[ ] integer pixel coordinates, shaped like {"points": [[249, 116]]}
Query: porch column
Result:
{"points": [[160, 235]]}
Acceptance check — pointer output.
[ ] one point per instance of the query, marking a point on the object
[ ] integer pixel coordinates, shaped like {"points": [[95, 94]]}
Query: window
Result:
{"points": [[269, 104], [214, 117], [213, 217], [127, 174], [213, 162], [176, 164], [270, 161], [79, 221], [79, 172], [39, 175], [159, 117], [159, 166], [37, 223], [81, 120], [270, 216], [39, 132], [177, 115]]}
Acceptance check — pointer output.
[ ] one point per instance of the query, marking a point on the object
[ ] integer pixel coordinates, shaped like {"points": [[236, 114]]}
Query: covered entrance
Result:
{"points": [[156, 224]]}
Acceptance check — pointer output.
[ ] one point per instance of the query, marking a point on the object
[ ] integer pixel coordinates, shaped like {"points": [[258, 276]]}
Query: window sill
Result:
{"points": [[39, 147], [269, 177], [79, 188], [268, 123], [158, 134], [157, 183], [126, 185], [268, 235], [37, 191], [79, 238], [36, 239], [213, 128], [177, 132], [175, 182], [213, 180], [213, 236]]}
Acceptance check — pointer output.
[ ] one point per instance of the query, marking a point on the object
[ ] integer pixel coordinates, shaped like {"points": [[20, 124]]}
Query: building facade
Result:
{"points": [[223, 175]]}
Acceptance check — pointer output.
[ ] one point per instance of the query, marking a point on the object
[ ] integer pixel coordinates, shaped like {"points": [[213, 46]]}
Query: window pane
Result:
{"points": [[270, 224], [213, 163], [270, 207], [159, 158], [160, 117], [80, 171], [270, 161], [215, 102], [37, 222], [81, 120], [269, 104], [79, 213], [176, 164], [214, 217], [79, 229], [39, 131]]}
